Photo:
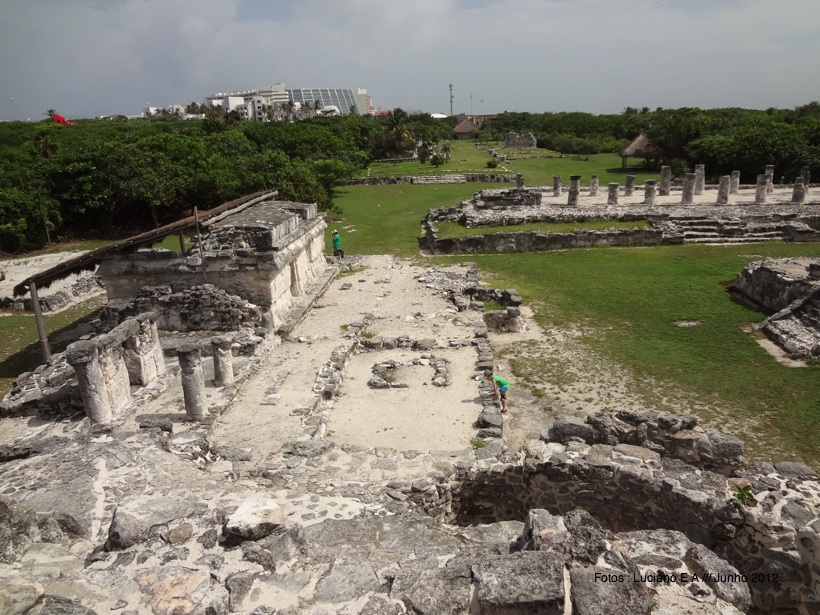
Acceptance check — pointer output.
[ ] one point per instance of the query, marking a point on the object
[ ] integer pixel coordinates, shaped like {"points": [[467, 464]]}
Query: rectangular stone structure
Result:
{"points": [[723, 190], [629, 188], [593, 185], [612, 194], [688, 191], [649, 192], [761, 189], [574, 190], [665, 185], [734, 184], [700, 178]]}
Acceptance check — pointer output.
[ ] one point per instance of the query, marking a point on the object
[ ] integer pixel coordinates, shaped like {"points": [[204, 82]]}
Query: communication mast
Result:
{"points": [[451, 99]]}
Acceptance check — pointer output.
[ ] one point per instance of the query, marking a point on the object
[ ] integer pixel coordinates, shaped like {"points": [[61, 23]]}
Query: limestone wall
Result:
{"points": [[774, 542], [774, 284], [460, 178], [526, 139], [533, 241]]}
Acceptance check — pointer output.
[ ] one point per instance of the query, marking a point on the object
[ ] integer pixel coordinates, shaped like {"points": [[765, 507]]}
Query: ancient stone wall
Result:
{"points": [[460, 178], [198, 308], [526, 139], [533, 241], [268, 255], [773, 541]]}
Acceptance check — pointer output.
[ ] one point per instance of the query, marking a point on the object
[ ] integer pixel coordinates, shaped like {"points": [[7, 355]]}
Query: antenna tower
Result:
{"points": [[451, 99]]}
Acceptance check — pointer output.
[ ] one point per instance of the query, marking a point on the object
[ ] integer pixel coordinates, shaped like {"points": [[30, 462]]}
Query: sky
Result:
{"points": [[86, 58]]}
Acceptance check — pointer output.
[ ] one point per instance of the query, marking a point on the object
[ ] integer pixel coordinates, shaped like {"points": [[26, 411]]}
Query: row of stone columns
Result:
{"points": [[693, 184], [131, 354]]}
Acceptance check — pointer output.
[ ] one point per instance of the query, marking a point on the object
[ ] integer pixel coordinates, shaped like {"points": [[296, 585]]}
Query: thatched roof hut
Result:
{"points": [[641, 147]]}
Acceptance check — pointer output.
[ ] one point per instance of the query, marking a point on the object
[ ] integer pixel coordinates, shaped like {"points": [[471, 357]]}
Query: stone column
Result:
{"points": [[593, 185], [574, 190], [649, 192], [723, 190], [688, 193], [700, 178], [799, 191], [760, 189], [734, 184], [805, 173], [193, 383], [769, 178], [519, 180], [223, 361], [156, 345], [82, 356], [630, 185], [556, 185], [665, 186], [612, 195]]}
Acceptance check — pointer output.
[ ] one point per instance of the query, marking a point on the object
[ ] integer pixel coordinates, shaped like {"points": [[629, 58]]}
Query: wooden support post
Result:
{"points": [[181, 242], [38, 318], [199, 241]]}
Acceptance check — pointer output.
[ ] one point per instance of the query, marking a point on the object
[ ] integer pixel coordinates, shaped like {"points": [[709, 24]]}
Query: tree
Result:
{"points": [[399, 136]]}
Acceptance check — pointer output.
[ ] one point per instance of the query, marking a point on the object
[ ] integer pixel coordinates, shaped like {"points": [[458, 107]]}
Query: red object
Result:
{"points": [[60, 119]]}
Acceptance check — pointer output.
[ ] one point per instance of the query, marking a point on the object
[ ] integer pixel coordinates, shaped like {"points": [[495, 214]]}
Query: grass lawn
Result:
{"points": [[628, 299], [453, 229], [467, 158], [19, 348], [387, 219]]}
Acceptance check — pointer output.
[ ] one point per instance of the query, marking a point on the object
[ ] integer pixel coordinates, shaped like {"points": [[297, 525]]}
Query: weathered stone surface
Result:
{"points": [[529, 581], [543, 530], [345, 582], [434, 591], [255, 518], [57, 605], [18, 530], [592, 596], [18, 595], [172, 590], [567, 427], [137, 516], [708, 565]]}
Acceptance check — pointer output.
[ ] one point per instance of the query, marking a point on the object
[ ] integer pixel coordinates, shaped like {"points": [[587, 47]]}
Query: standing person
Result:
{"points": [[337, 246], [500, 386]]}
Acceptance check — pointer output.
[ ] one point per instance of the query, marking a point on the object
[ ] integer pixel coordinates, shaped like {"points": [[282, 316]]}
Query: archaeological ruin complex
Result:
{"points": [[196, 454]]}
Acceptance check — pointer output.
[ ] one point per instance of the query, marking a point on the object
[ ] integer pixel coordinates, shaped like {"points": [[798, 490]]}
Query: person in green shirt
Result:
{"points": [[337, 245], [500, 386]]}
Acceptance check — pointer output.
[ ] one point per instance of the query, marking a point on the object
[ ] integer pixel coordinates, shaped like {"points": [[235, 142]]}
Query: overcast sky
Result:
{"points": [[96, 57]]}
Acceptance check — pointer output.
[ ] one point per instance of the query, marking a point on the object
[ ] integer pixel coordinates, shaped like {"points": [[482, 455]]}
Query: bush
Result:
{"points": [[492, 164]]}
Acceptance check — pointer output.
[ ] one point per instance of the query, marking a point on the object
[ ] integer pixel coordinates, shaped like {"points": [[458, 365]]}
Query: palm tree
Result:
{"points": [[289, 108], [399, 136], [50, 113], [317, 106]]}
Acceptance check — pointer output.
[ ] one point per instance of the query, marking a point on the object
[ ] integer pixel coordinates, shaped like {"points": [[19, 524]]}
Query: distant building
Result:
{"points": [[275, 101], [466, 129]]}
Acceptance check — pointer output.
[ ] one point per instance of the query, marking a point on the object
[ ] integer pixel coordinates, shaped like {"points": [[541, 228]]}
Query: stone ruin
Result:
{"points": [[739, 214], [526, 139], [624, 513], [791, 289]]}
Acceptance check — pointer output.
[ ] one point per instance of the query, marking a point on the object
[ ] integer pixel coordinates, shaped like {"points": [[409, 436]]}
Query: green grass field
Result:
{"points": [[466, 158]]}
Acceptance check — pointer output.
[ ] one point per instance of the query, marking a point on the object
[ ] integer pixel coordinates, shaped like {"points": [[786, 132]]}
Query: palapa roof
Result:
{"points": [[641, 147], [90, 260], [466, 125]]}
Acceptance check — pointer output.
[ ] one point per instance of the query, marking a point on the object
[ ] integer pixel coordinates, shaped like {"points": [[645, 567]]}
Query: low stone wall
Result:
{"points": [[86, 285], [198, 308], [525, 139], [434, 179], [775, 283], [773, 542], [533, 241]]}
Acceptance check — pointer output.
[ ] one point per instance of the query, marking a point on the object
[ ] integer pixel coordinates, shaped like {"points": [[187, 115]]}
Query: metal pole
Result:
{"points": [[38, 318]]}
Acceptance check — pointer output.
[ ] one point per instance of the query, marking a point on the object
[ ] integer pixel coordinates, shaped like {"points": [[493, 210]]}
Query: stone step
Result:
{"points": [[721, 239]]}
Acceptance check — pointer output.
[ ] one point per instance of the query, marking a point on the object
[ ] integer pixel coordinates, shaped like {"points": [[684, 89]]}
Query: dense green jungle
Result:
{"points": [[115, 176]]}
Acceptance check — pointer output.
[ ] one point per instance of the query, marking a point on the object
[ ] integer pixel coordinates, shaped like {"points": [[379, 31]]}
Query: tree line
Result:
{"points": [[723, 139], [119, 176], [115, 176]]}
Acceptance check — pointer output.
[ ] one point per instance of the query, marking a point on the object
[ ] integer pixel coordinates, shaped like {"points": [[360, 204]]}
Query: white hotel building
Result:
{"points": [[253, 104]]}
